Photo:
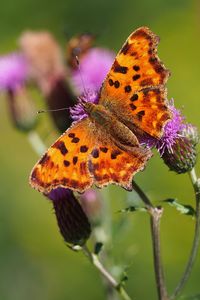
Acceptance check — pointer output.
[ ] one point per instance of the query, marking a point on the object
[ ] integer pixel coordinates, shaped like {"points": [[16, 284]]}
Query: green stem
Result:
{"points": [[36, 142], [156, 214], [109, 278], [142, 196], [196, 240]]}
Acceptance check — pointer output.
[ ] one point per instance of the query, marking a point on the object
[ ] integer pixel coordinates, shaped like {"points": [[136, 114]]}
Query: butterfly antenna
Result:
{"points": [[49, 110], [80, 73]]}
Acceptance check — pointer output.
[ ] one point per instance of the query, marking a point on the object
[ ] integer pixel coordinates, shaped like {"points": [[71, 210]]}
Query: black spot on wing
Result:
{"points": [[83, 148], [95, 153], [117, 68], [134, 97], [60, 145], [45, 159], [136, 77], [140, 115], [66, 163], [125, 48], [127, 89], [115, 153], [75, 159]]}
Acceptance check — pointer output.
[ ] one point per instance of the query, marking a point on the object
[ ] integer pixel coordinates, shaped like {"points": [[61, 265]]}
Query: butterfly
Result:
{"points": [[102, 148], [78, 46]]}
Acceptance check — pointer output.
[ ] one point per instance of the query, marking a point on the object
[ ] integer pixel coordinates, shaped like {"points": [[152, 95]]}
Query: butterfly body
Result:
{"points": [[114, 128], [103, 147]]}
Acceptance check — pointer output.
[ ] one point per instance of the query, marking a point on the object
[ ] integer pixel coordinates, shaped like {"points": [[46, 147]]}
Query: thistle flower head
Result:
{"points": [[94, 66], [72, 221], [171, 130], [44, 57], [13, 71], [47, 69]]}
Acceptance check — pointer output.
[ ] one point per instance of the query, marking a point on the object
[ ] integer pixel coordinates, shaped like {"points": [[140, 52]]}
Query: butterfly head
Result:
{"points": [[80, 110]]}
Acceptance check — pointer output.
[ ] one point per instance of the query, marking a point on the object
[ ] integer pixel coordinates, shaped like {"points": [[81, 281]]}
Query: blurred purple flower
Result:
{"points": [[94, 66], [91, 203], [13, 71]]}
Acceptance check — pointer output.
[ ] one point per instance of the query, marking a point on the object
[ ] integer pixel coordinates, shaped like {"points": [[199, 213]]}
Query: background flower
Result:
{"points": [[47, 69], [94, 66], [13, 71]]}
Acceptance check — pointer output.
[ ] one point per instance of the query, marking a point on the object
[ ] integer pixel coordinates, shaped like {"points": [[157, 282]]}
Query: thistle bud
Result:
{"points": [[183, 154], [22, 109], [177, 146], [72, 221]]}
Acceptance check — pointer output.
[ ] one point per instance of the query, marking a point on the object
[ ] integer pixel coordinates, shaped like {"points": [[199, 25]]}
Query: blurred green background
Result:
{"points": [[34, 261]]}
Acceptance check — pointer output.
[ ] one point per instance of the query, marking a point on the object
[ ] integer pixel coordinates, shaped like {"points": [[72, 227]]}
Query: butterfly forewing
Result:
{"points": [[134, 89]]}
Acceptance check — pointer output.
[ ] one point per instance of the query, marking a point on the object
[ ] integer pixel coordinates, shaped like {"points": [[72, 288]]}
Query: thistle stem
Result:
{"points": [[155, 216], [107, 276], [196, 240], [36, 142]]}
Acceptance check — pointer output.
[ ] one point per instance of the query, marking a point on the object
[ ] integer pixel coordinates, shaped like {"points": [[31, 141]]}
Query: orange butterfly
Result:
{"points": [[102, 148], [78, 46]]}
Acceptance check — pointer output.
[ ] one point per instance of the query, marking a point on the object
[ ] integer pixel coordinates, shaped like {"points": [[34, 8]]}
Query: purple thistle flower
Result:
{"points": [[59, 193], [77, 112], [72, 221], [94, 66], [147, 140], [13, 71], [171, 131]]}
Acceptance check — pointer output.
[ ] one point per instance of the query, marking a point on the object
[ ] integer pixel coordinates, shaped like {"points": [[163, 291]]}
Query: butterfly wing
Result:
{"points": [[83, 155], [110, 164], [134, 89], [65, 162]]}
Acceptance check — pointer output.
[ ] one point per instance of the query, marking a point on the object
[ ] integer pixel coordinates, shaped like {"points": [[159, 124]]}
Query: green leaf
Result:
{"points": [[182, 208], [98, 247], [132, 209], [123, 279], [191, 297]]}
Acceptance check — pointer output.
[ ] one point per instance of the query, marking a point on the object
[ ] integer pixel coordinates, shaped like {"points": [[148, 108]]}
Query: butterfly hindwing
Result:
{"points": [[134, 89], [110, 164], [86, 154], [65, 162]]}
